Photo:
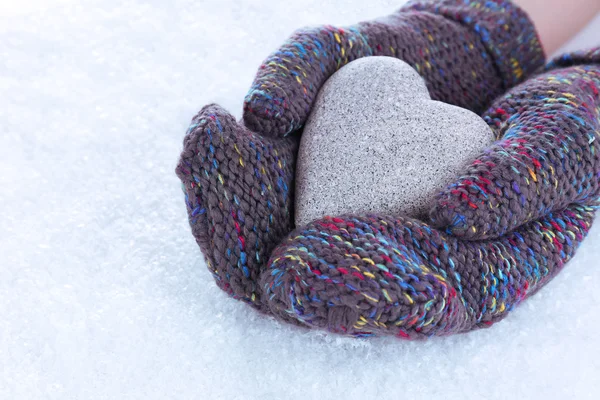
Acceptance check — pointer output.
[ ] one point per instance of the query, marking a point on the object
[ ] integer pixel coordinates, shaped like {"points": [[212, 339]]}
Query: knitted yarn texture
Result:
{"points": [[528, 200], [468, 52]]}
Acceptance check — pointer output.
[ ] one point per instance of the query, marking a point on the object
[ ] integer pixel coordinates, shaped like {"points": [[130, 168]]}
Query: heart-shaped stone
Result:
{"points": [[376, 142]]}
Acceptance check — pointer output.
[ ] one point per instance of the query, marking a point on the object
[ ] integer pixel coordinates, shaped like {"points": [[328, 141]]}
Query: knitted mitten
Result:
{"points": [[239, 184], [547, 160], [469, 52], [372, 274]]}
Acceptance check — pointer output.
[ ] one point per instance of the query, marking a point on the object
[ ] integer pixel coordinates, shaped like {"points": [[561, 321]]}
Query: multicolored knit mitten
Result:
{"points": [[382, 274], [533, 194]]}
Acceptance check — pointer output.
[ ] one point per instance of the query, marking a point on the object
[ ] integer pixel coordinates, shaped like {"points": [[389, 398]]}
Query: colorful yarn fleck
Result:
{"points": [[529, 199]]}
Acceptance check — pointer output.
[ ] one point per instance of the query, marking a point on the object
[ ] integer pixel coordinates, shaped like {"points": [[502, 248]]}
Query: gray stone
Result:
{"points": [[376, 142]]}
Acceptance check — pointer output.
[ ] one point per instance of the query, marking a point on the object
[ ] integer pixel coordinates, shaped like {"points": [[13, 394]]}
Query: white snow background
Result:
{"points": [[103, 291]]}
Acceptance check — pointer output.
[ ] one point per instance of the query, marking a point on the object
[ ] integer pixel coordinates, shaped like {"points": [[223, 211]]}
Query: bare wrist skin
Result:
{"points": [[558, 20]]}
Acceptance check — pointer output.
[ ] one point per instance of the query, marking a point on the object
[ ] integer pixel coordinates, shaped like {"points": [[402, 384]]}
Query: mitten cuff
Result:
{"points": [[580, 57], [505, 30]]}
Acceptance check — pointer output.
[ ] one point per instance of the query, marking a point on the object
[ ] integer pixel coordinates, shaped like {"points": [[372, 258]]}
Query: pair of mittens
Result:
{"points": [[497, 234]]}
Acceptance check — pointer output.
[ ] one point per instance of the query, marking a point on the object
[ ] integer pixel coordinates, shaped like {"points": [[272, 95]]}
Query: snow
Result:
{"points": [[103, 291]]}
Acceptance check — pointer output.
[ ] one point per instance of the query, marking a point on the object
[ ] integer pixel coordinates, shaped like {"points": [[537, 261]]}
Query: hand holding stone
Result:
{"points": [[365, 275], [238, 181], [386, 274]]}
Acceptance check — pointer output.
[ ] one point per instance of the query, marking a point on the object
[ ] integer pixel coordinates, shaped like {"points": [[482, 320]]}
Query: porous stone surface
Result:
{"points": [[376, 142]]}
